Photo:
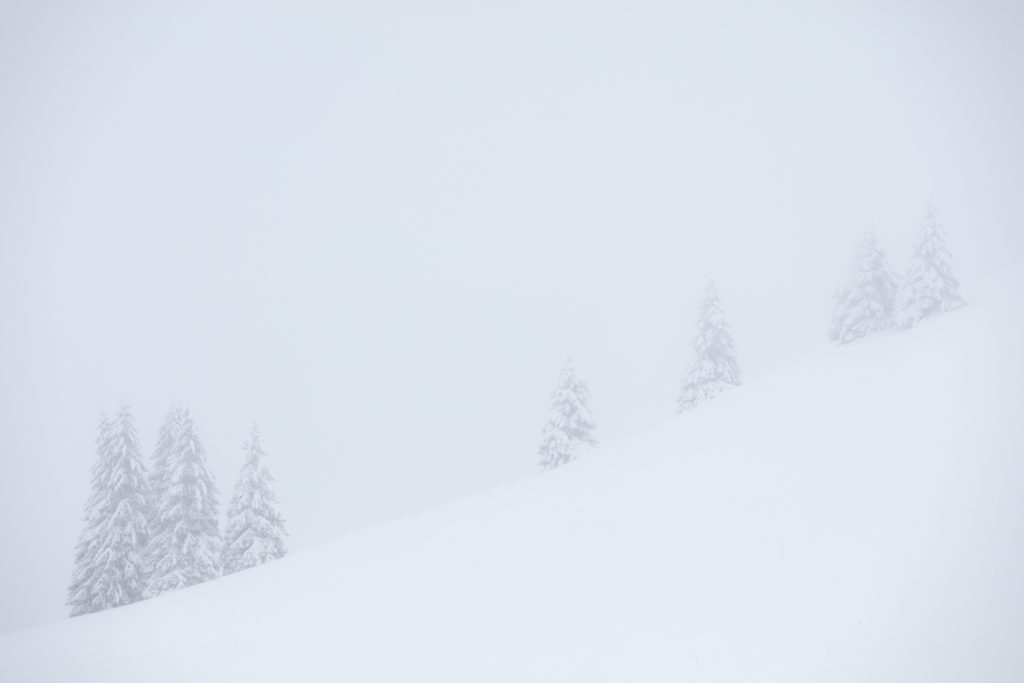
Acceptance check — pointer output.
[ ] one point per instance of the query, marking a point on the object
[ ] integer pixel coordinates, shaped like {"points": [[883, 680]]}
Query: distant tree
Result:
{"points": [[930, 287], [571, 426], [864, 305], [110, 568], [715, 368], [185, 548], [255, 530]]}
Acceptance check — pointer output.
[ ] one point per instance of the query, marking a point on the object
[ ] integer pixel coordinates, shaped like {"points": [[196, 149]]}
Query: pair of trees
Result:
{"points": [[146, 534], [874, 299], [715, 370]]}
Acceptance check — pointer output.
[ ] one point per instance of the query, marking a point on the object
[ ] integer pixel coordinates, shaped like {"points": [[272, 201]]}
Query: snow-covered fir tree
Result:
{"points": [[110, 566], [715, 368], [166, 442], [186, 544], [571, 426], [255, 529], [864, 305], [930, 287]]}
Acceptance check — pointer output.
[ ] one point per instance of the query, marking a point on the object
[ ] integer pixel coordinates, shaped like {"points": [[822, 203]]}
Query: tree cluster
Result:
{"points": [[147, 533], [874, 299]]}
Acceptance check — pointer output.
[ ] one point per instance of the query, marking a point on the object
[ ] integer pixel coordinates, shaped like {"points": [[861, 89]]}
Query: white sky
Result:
{"points": [[379, 229]]}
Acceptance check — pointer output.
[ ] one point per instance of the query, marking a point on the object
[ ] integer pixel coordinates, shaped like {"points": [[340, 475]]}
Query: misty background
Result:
{"points": [[379, 229]]}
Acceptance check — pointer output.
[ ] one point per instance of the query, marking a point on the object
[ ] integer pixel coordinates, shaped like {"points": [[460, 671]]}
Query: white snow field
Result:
{"points": [[855, 517]]}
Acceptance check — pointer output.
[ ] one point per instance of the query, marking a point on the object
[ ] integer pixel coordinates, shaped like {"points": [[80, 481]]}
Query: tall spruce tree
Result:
{"points": [[715, 368], [110, 567], [571, 426], [865, 304], [185, 549], [930, 287], [255, 530], [166, 443]]}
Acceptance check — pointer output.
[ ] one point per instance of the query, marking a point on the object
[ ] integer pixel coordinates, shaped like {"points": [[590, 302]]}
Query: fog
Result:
{"points": [[378, 230]]}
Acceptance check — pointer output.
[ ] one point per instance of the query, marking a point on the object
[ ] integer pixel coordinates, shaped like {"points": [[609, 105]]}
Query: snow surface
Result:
{"points": [[856, 517]]}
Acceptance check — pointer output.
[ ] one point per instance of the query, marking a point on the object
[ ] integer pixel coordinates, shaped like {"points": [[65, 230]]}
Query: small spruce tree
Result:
{"points": [[185, 549], [930, 287], [864, 305], [571, 426], [715, 368], [255, 529], [110, 567]]}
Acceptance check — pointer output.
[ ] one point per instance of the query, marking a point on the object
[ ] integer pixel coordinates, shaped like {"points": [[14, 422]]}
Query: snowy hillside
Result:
{"points": [[856, 517]]}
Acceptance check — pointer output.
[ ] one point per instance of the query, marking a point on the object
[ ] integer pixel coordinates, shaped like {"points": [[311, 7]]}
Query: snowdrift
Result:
{"points": [[856, 517]]}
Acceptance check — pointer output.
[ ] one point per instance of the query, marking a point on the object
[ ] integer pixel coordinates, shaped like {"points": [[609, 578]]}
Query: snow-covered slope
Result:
{"points": [[856, 517]]}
